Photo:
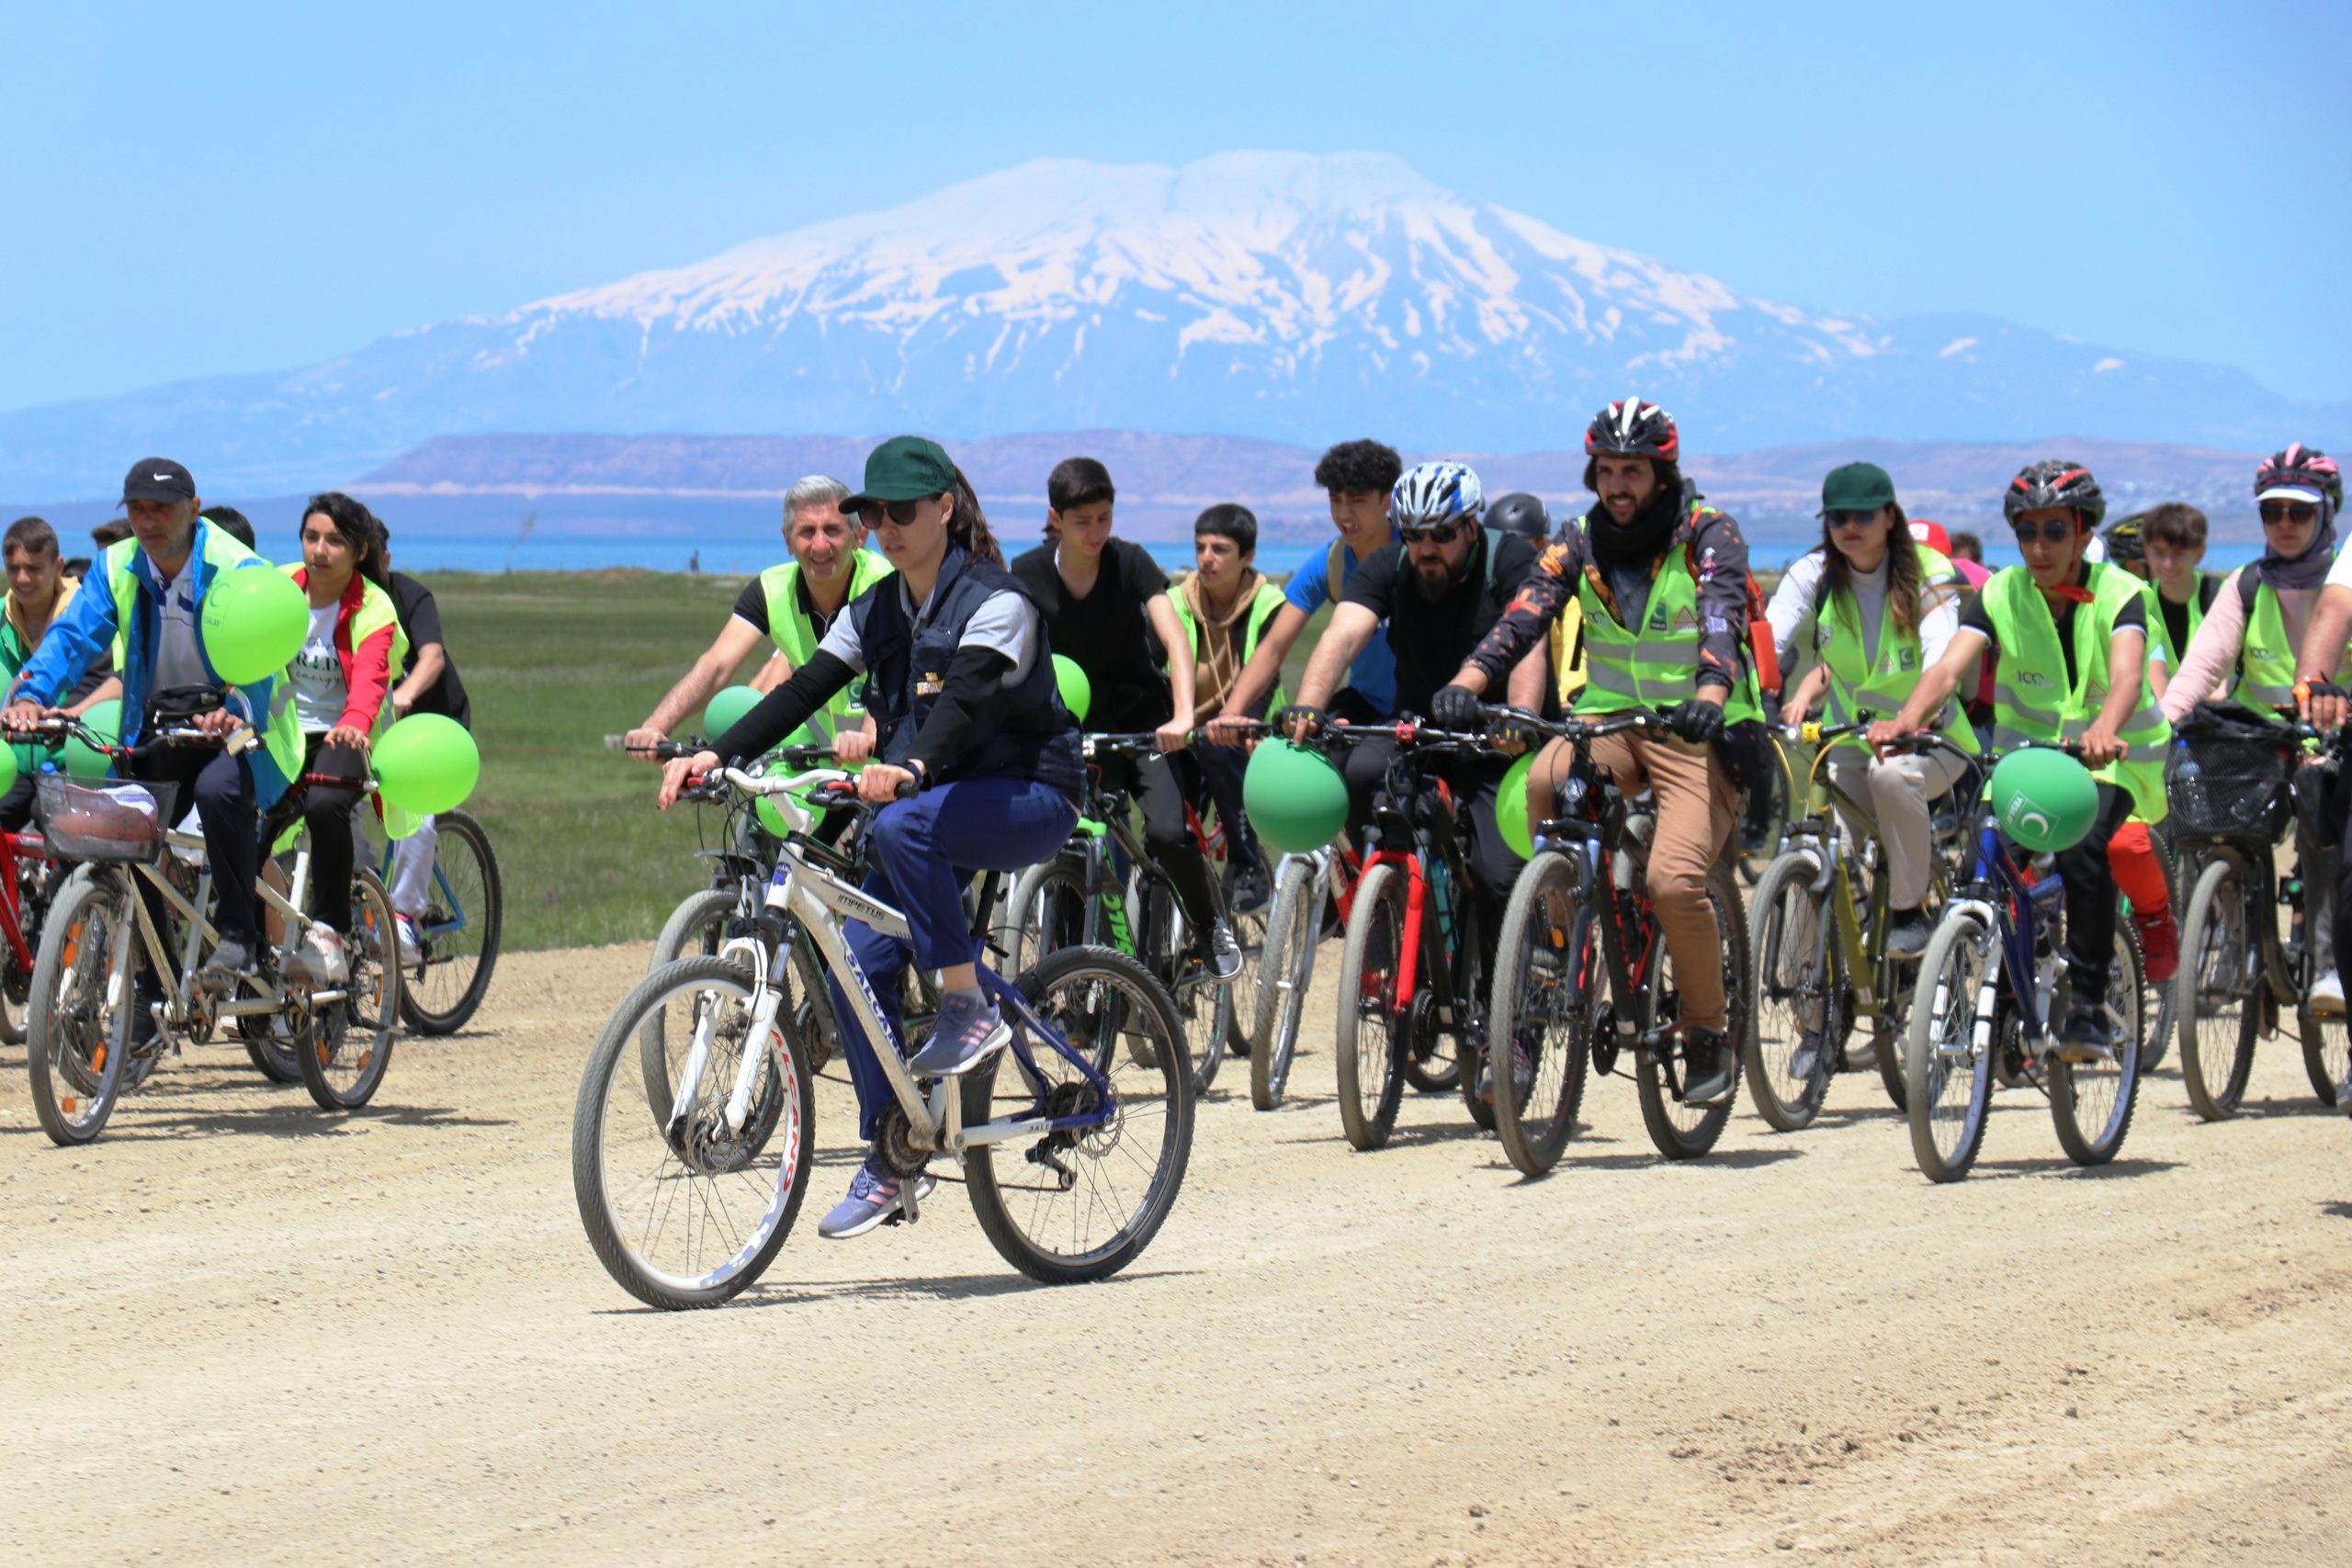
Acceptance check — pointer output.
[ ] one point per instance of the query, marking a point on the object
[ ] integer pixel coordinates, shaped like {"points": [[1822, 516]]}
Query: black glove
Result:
{"points": [[1698, 722], [1515, 726], [2327, 689], [1283, 718], [1457, 708]]}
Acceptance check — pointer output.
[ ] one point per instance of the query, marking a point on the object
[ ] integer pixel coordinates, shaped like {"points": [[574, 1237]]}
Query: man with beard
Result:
{"points": [[1662, 584], [1440, 590]]}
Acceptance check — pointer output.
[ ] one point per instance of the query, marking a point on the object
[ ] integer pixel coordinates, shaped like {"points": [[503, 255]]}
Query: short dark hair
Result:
{"points": [[1078, 481], [1229, 520], [1357, 468], [1967, 545], [110, 532], [232, 522], [359, 530], [31, 534], [2175, 523]]}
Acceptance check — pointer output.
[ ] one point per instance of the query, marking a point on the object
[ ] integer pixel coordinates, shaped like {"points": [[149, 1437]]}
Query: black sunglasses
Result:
{"points": [[874, 513], [2050, 532], [1436, 533], [2296, 511], [1840, 518]]}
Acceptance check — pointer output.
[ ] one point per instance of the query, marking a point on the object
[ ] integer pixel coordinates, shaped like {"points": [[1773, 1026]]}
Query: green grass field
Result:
{"points": [[555, 662]]}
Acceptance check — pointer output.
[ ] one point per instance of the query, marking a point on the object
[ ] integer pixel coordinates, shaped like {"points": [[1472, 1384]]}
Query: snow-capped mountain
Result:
{"points": [[1281, 296]]}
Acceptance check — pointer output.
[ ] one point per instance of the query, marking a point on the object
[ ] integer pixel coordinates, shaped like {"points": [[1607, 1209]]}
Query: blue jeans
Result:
{"points": [[926, 851]]}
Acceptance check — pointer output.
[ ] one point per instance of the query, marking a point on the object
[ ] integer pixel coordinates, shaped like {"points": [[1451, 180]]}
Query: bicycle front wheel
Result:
{"points": [[1285, 967], [2219, 991], [1370, 1043], [1545, 970], [1081, 1202], [1947, 1056], [687, 1215], [75, 1020], [1796, 993], [2325, 1054], [2091, 1102], [459, 930], [347, 1045], [1679, 1130]]}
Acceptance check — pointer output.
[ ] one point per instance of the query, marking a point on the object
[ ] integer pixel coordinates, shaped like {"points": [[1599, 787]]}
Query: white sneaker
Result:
{"points": [[412, 947], [2326, 996], [318, 959]]}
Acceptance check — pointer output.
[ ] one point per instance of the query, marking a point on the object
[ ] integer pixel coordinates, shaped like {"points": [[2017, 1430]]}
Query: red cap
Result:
{"points": [[1932, 535]]}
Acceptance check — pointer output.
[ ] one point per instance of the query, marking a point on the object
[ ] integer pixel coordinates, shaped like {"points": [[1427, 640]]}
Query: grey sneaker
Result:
{"points": [[1523, 1076], [1806, 1056], [230, 960], [1709, 1066], [968, 1031], [874, 1195]]}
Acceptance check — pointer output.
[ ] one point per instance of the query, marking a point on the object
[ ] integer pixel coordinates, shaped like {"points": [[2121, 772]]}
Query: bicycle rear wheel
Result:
{"points": [[1045, 912], [460, 928], [2325, 1054], [1285, 967], [1369, 1044], [344, 1047], [2220, 991], [269, 1038], [1681, 1131], [74, 1018], [1547, 967], [1250, 934], [1949, 1067], [2091, 1102], [1797, 993], [689, 1219], [1081, 1204]]}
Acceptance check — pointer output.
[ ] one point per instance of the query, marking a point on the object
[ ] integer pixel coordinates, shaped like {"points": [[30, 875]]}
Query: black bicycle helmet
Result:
{"points": [[2125, 545], [1521, 513], [2057, 481], [1634, 429], [2302, 467]]}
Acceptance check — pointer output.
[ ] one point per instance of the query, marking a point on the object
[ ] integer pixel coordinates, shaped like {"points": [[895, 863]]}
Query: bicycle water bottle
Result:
{"points": [[2189, 779], [1441, 894]]}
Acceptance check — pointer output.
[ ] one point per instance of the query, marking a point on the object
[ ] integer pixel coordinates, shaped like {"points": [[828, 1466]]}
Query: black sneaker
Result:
{"points": [[1251, 892], [1223, 956], [2085, 1038], [1709, 1066], [1907, 933]]}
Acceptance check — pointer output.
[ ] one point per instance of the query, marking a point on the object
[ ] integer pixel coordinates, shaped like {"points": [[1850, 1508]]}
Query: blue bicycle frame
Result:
{"points": [[2018, 909]]}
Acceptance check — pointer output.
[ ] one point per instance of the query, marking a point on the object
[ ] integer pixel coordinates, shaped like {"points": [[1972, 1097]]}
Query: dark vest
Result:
{"points": [[1029, 734]]}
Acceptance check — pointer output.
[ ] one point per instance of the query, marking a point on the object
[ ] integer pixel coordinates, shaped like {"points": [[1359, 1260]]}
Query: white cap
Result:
{"points": [[2290, 492]]}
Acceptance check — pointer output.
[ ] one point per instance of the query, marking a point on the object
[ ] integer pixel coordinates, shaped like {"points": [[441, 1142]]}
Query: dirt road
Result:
{"points": [[239, 1330]]}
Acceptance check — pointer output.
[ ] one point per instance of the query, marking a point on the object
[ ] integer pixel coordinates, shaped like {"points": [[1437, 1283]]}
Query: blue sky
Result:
{"points": [[185, 191]]}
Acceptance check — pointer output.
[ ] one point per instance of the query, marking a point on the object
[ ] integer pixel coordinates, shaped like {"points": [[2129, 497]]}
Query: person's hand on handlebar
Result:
{"points": [[1299, 721], [678, 770], [2324, 704], [348, 735], [220, 722], [1457, 708], [2101, 745], [639, 742], [880, 782], [1176, 734], [24, 713], [852, 746], [1888, 732], [1700, 720]]}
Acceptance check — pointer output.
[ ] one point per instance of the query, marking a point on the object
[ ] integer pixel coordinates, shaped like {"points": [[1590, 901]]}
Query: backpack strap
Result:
{"points": [[2249, 585]]}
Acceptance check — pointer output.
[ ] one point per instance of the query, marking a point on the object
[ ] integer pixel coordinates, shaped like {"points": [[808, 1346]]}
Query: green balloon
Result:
{"points": [[78, 759], [1295, 797], [401, 823], [1078, 692], [764, 808], [254, 619], [1510, 809], [426, 763], [2044, 800], [8, 769], [726, 708]]}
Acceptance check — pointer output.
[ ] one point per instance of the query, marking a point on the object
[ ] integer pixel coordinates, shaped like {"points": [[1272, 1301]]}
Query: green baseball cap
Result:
{"points": [[1857, 486], [905, 467]]}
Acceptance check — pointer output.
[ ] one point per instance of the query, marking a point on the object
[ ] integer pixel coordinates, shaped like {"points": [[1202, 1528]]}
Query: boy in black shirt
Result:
{"points": [[1106, 607]]}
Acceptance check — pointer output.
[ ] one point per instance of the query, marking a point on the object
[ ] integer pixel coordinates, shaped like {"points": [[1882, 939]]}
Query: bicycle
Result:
{"points": [[459, 930], [80, 1016], [1580, 925], [1819, 987], [29, 878], [1412, 1002], [1295, 929], [688, 1193], [1083, 897], [2237, 970], [1992, 978]]}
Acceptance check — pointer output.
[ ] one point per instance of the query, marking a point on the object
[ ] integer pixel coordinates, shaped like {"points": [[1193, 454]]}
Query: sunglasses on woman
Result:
{"points": [[2049, 533], [1858, 519], [874, 513], [1435, 533], [2295, 511]]}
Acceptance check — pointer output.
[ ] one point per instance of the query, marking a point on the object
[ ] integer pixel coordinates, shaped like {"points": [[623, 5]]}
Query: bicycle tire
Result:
{"points": [[268, 1040], [1045, 912], [437, 1004], [346, 1046], [2325, 1054], [1675, 1130], [76, 1073], [605, 1100], [1788, 982], [1778, 783], [1941, 1043], [2219, 992], [1103, 993], [2090, 1105], [1367, 1044], [1250, 934], [1546, 1010], [1293, 933]]}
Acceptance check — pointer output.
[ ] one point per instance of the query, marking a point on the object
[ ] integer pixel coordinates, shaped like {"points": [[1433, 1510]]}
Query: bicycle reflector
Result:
{"points": [[1296, 798], [1511, 808], [2043, 799]]}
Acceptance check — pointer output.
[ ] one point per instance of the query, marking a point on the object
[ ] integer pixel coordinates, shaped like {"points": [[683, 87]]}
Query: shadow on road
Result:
{"points": [[952, 1288], [130, 1124], [2059, 1165], [1723, 1159]]}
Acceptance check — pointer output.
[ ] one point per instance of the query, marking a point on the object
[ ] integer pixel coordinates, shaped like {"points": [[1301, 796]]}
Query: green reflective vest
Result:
{"points": [[795, 635], [2030, 701], [1652, 668], [1883, 684], [2266, 659], [1262, 605]]}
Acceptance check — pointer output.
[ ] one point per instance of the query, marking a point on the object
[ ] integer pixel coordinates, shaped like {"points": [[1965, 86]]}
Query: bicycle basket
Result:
{"points": [[2228, 775], [108, 821]]}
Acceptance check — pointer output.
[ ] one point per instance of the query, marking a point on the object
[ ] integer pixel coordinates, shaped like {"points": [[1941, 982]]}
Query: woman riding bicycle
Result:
{"points": [[960, 685], [342, 681], [1883, 608]]}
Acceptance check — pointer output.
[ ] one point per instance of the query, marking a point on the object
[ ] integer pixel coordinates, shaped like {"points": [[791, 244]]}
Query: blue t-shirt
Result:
{"points": [[1373, 674]]}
